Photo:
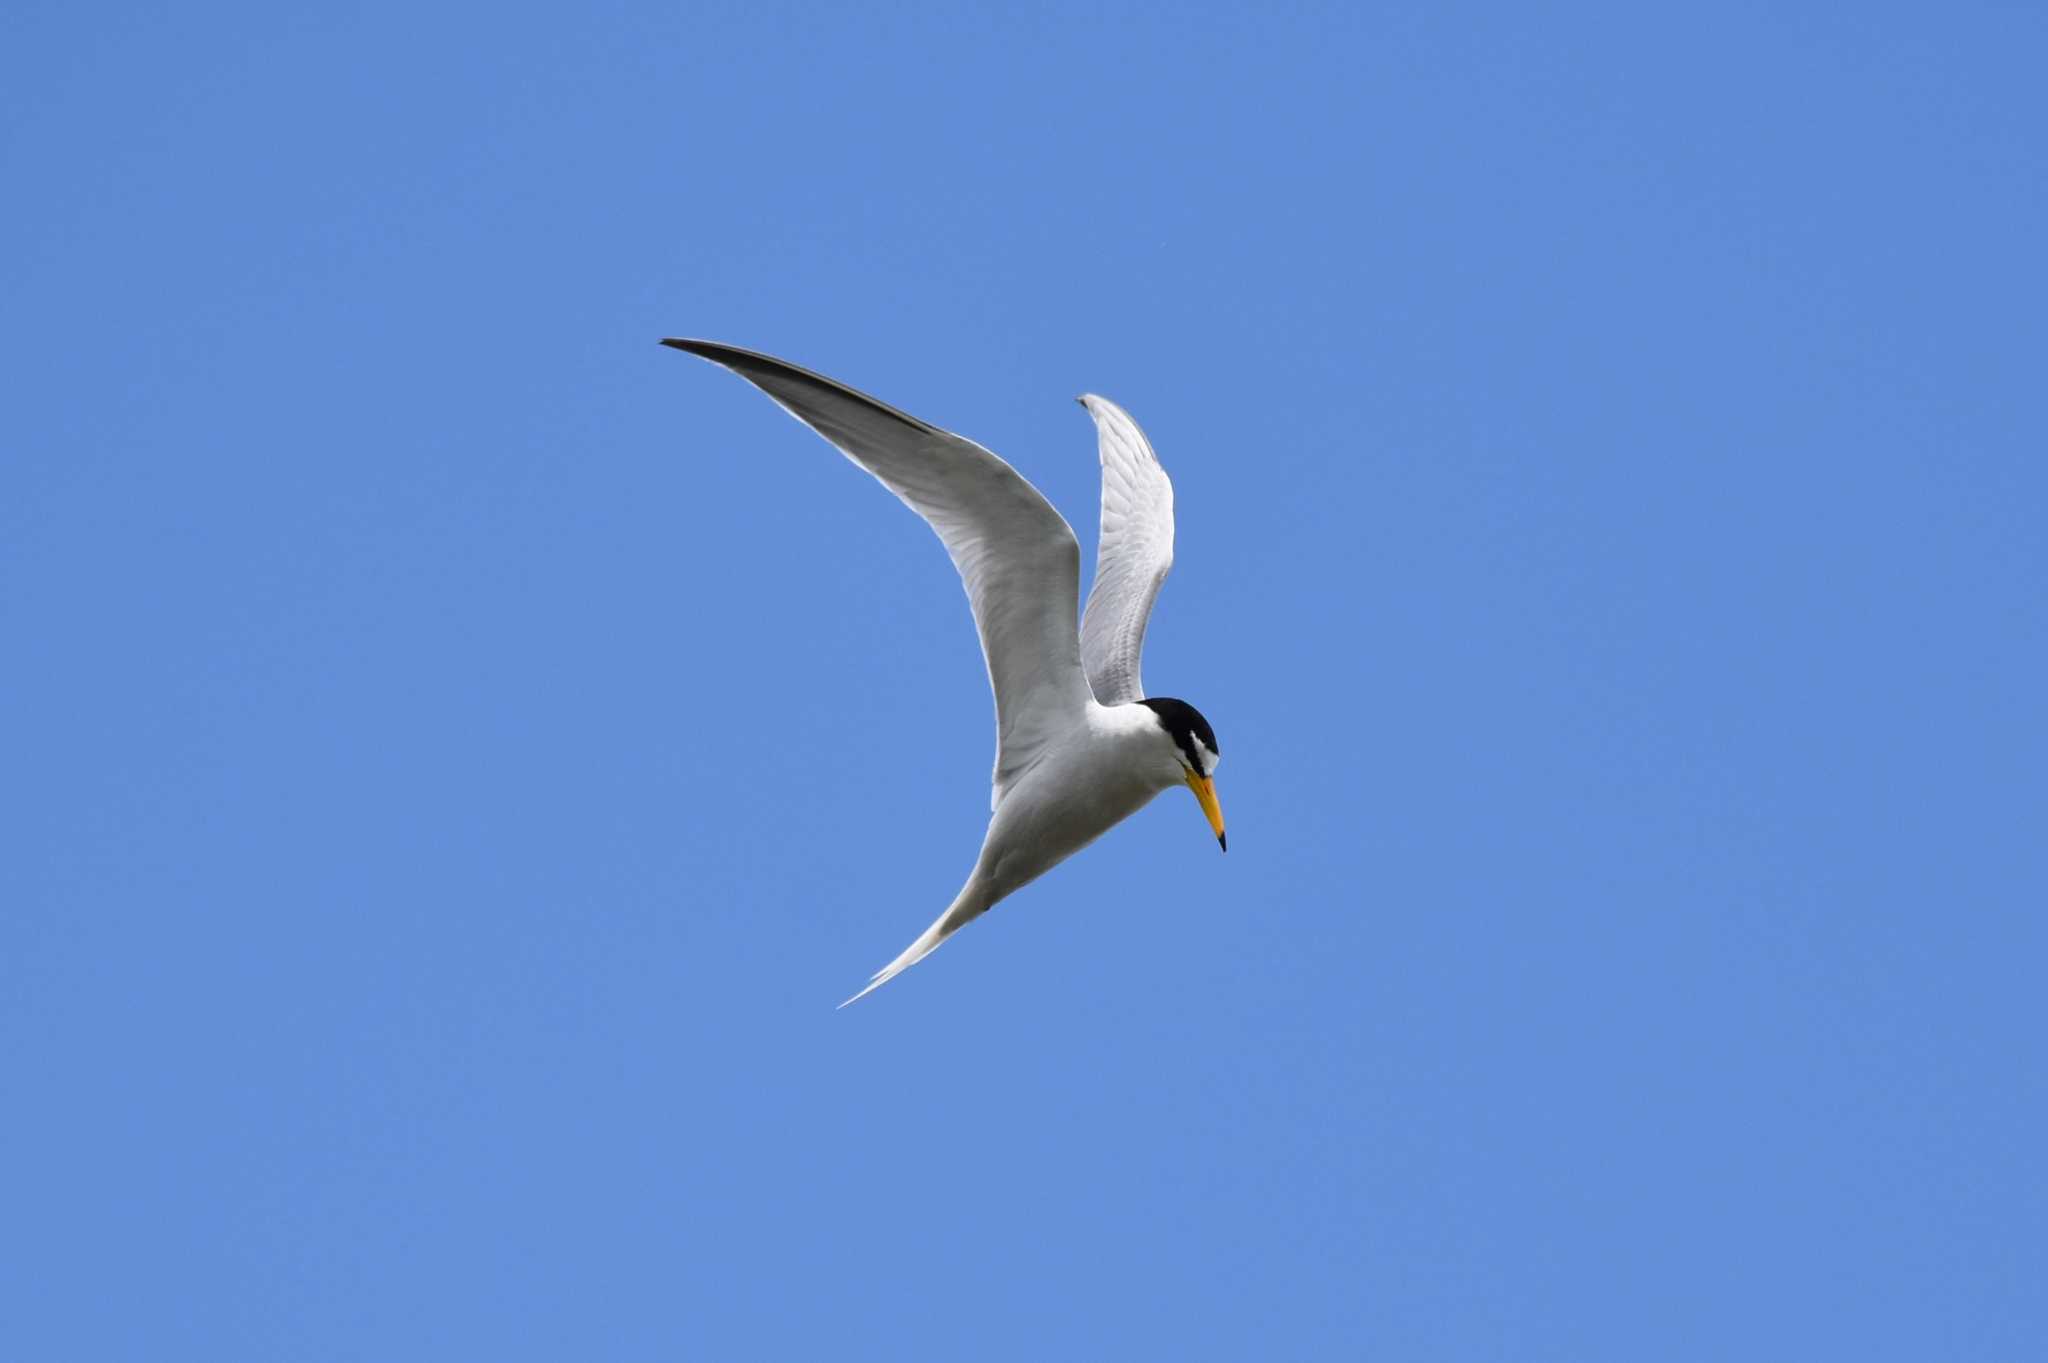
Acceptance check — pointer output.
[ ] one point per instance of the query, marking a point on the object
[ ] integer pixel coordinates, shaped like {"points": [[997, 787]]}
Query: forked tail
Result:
{"points": [[964, 910]]}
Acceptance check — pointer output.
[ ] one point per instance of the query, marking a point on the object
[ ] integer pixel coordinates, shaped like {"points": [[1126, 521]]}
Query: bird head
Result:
{"points": [[1194, 754]]}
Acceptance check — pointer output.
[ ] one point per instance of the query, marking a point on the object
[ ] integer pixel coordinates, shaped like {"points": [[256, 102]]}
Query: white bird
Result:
{"points": [[1079, 746]]}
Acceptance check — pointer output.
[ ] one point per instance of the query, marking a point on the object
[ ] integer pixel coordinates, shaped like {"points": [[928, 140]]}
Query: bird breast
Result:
{"points": [[1082, 789]]}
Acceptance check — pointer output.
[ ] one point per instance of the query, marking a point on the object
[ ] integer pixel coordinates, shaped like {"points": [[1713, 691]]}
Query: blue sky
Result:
{"points": [[459, 752]]}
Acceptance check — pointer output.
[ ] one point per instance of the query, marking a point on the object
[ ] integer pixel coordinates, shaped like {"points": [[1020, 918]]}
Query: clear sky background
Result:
{"points": [[457, 753]]}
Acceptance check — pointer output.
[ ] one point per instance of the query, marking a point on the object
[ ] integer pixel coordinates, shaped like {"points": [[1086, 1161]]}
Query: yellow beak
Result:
{"points": [[1205, 791]]}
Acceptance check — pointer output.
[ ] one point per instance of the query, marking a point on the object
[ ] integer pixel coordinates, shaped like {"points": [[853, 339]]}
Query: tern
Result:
{"points": [[1080, 747]]}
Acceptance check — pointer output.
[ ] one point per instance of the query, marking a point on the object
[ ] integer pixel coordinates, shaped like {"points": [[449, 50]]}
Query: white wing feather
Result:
{"points": [[1017, 557], [1132, 560]]}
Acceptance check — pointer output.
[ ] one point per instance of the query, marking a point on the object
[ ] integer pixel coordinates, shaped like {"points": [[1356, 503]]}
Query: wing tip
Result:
{"points": [[764, 371], [693, 346]]}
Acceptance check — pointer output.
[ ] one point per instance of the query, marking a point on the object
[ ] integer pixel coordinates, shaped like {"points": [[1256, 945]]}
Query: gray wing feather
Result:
{"points": [[1017, 557], [1133, 558]]}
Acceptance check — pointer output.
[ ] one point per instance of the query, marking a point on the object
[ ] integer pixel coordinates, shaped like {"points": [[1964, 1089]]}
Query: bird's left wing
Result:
{"points": [[1016, 555], [1133, 557]]}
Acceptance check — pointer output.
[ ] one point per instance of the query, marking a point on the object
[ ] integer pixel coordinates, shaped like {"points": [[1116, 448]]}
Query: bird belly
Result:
{"points": [[1055, 812]]}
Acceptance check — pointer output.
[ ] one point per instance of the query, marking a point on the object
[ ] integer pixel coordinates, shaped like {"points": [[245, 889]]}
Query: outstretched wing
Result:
{"points": [[1016, 555], [1133, 558]]}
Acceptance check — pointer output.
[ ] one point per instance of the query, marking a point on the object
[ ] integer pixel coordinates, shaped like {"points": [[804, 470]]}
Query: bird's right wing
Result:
{"points": [[1133, 557], [1016, 555]]}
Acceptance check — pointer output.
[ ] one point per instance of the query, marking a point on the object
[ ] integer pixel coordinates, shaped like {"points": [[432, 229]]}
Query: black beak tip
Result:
{"points": [[1222, 842]]}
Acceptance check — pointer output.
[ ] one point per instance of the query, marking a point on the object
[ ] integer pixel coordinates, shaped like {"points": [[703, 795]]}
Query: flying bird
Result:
{"points": [[1079, 745]]}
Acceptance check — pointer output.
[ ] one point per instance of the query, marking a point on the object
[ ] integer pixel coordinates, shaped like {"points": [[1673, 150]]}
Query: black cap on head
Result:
{"points": [[1185, 723]]}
